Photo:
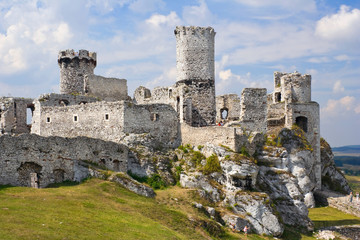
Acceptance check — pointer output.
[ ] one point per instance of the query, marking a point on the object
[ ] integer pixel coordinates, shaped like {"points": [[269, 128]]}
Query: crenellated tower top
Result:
{"points": [[74, 66]]}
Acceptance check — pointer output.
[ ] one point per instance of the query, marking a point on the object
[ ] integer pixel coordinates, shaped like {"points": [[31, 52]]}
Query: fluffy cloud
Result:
{"points": [[159, 20], [198, 15], [343, 25], [338, 87], [31, 34], [337, 107]]}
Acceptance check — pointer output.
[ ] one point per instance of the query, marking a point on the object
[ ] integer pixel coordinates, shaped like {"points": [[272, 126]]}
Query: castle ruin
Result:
{"points": [[186, 113]]}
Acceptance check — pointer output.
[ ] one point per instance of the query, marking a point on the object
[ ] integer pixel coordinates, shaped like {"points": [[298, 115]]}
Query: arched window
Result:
{"points": [[302, 122]]}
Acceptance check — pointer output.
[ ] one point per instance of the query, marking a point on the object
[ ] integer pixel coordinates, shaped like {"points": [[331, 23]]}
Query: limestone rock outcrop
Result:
{"points": [[332, 177]]}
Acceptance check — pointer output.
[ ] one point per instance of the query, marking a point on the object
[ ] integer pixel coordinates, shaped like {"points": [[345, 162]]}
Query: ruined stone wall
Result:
{"points": [[74, 66], [54, 100], [13, 115], [107, 89], [213, 134], [296, 87], [229, 103], [159, 121], [199, 97], [55, 159], [102, 120], [109, 121], [253, 114]]}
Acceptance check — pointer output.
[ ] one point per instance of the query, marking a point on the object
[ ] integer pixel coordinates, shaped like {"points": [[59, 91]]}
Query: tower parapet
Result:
{"points": [[74, 66]]}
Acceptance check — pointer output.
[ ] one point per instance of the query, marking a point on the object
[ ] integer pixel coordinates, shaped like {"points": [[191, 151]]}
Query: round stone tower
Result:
{"points": [[74, 66], [196, 72]]}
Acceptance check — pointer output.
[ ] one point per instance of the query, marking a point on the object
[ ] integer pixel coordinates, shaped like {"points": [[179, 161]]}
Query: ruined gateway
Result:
{"points": [[94, 121]]}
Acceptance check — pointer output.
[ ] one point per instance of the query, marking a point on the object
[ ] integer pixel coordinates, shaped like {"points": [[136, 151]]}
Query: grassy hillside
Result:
{"points": [[99, 209]]}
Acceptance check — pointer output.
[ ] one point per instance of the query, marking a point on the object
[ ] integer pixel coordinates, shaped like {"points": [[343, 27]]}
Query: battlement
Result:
{"points": [[81, 54], [183, 30]]}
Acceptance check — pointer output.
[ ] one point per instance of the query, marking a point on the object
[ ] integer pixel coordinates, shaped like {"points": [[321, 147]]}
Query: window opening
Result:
{"points": [[224, 113], [277, 97], [106, 116], [154, 117], [75, 118], [302, 122], [48, 119]]}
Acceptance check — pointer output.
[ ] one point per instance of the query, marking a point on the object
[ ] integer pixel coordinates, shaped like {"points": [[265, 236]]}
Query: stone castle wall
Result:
{"points": [[55, 159], [106, 89], [110, 121], [213, 134], [229, 103], [13, 115], [254, 109]]}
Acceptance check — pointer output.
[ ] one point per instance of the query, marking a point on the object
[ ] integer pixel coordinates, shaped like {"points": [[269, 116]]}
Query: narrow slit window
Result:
{"points": [[106, 116], [76, 118], [48, 119]]}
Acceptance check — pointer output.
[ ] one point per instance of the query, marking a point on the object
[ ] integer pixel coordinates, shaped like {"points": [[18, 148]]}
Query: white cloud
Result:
{"points": [[338, 87], [293, 5], [343, 26], [170, 20], [198, 15], [319, 60], [342, 57], [167, 78], [338, 107]]}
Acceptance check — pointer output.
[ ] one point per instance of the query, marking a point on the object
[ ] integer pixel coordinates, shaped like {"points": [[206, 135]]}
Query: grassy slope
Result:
{"points": [[93, 210], [99, 209]]}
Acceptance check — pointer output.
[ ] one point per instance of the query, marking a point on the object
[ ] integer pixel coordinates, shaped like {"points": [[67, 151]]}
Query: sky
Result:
{"points": [[134, 39]]}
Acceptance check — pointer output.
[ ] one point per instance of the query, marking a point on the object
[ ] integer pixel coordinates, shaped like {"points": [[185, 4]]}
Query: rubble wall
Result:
{"points": [[254, 109], [55, 159], [230, 103], [215, 135], [107, 89], [13, 115]]}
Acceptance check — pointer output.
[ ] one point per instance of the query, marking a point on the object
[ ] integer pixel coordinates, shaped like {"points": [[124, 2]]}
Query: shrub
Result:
{"points": [[197, 157], [212, 165], [156, 182]]}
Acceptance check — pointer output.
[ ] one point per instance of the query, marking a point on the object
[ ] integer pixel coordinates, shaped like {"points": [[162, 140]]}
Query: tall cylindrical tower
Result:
{"points": [[196, 71], [73, 68]]}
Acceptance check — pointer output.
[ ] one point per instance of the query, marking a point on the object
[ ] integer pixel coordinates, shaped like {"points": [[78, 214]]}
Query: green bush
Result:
{"points": [[156, 182], [212, 165]]}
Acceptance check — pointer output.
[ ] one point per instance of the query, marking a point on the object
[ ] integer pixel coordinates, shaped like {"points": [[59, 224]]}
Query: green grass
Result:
{"points": [[93, 210], [327, 216], [98, 209], [354, 182]]}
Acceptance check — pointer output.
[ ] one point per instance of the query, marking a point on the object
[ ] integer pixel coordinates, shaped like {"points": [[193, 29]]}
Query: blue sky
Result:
{"points": [[134, 40]]}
